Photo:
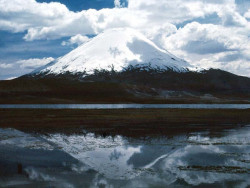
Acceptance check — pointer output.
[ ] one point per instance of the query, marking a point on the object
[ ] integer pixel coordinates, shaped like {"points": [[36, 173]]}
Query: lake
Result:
{"points": [[125, 106], [197, 159]]}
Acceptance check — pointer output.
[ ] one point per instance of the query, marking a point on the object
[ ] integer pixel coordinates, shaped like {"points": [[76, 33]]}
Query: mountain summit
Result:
{"points": [[123, 66], [115, 49]]}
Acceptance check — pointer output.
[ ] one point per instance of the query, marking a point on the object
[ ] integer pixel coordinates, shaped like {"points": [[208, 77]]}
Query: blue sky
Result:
{"points": [[206, 33], [78, 5]]}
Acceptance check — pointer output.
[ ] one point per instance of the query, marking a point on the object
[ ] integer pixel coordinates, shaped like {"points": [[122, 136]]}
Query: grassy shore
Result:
{"points": [[64, 91], [126, 122]]}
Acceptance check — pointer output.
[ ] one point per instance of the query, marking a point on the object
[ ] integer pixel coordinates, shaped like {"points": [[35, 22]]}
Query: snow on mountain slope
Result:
{"points": [[117, 49]]}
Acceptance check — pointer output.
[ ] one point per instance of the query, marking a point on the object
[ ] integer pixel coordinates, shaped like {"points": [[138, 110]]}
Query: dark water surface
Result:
{"points": [[198, 159], [125, 106]]}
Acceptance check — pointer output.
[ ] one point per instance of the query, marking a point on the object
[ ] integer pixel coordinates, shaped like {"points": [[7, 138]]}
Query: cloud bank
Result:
{"points": [[34, 63], [207, 33]]}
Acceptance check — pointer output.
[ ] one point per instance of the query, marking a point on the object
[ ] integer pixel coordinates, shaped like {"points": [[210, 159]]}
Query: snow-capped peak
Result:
{"points": [[115, 49]]}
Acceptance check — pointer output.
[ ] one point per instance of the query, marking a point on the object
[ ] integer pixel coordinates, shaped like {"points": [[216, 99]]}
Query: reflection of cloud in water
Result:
{"points": [[217, 154], [178, 159], [200, 156], [192, 160]]}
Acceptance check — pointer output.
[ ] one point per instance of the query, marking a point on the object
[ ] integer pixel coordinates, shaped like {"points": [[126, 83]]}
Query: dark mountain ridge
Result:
{"points": [[133, 85]]}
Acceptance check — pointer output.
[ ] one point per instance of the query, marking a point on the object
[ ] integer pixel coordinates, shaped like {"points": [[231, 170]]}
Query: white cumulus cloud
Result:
{"points": [[34, 63], [118, 4], [247, 14], [5, 66], [198, 30], [212, 46], [54, 20], [77, 39]]}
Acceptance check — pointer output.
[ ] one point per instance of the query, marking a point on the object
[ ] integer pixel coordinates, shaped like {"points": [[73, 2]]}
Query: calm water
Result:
{"points": [[197, 159], [126, 106]]}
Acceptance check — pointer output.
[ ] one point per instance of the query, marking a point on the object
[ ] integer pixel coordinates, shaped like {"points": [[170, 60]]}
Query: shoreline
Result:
{"points": [[29, 100], [125, 122], [122, 106]]}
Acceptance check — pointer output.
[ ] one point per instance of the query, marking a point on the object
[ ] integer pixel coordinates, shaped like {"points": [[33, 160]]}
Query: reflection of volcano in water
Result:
{"points": [[195, 159]]}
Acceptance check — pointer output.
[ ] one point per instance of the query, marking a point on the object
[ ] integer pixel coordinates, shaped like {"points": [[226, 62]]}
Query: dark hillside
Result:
{"points": [[130, 86]]}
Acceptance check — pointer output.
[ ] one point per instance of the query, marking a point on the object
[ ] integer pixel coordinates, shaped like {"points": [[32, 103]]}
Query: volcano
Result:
{"points": [[123, 66], [115, 49]]}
